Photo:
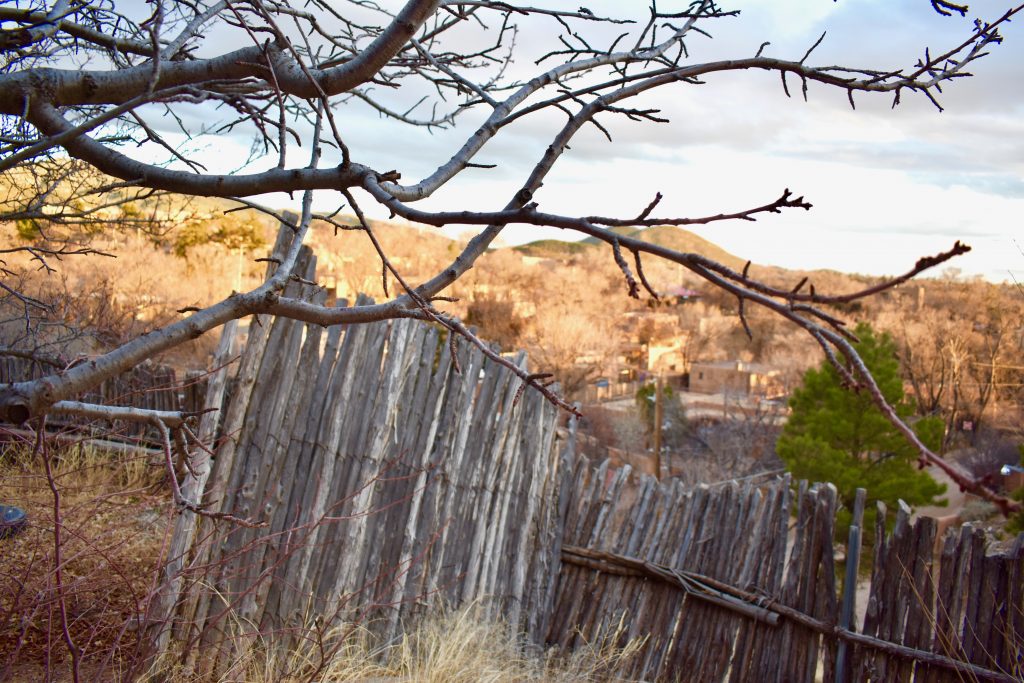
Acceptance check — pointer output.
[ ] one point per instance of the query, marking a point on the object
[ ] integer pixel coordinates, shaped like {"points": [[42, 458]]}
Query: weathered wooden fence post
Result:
{"points": [[850, 585], [192, 488]]}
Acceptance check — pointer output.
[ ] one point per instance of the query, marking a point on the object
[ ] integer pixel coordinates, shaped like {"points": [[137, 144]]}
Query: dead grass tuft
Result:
{"points": [[462, 646]]}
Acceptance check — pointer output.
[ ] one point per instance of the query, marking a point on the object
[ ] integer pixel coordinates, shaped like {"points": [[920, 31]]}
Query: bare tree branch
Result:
{"points": [[80, 83]]}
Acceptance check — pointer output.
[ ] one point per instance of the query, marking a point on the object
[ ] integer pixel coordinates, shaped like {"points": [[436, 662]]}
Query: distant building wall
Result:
{"points": [[668, 356], [734, 377]]}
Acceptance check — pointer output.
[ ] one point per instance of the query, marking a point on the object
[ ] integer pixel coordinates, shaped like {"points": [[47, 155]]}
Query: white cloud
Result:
{"points": [[888, 186]]}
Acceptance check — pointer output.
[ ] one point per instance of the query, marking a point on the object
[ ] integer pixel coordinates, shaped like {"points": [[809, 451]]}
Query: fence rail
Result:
{"points": [[721, 588], [593, 393]]}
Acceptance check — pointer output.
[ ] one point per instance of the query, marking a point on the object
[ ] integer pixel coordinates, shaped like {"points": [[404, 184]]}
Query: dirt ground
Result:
{"points": [[957, 498], [113, 527]]}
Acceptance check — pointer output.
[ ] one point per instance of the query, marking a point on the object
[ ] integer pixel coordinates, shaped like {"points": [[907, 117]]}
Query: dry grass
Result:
{"points": [[463, 646]]}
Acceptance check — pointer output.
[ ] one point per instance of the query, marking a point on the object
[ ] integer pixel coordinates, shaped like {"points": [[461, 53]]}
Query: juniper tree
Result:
{"points": [[840, 436]]}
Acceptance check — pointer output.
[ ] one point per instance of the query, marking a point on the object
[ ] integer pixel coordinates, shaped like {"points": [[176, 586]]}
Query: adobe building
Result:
{"points": [[735, 377]]}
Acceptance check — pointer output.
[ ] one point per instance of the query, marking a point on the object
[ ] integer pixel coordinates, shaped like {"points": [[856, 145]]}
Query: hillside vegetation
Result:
{"points": [[958, 339]]}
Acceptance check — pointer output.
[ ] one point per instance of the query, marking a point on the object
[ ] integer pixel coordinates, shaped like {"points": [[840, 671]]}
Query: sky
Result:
{"points": [[888, 185]]}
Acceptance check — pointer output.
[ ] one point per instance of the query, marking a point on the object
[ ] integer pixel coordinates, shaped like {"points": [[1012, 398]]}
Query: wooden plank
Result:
{"points": [[763, 659], [248, 484], [628, 600], [641, 538], [921, 596], [793, 640], [579, 582], [356, 570], [546, 567], [601, 536], [895, 596], [945, 639], [391, 494], [318, 495], [974, 596], [675, 512], [458, 470], [195, 612], [286, 598], [572, 511], [487, 529], [826, 607], [444, 386], [718, 647], [695, 615], [245, 497], [1014, 630], [849, 595], [509, 570], [740, 527], [531, 547], [996, 581], [430, 398], [281, 477], [349, 484], [192, 488], [986, 600], [266, 462], [754, 640], [464, 470]]}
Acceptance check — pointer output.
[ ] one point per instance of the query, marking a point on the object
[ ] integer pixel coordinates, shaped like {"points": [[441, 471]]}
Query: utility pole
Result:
{"points": [[658, 410]]}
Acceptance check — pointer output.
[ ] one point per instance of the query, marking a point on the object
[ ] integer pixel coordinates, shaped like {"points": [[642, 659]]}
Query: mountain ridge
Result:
{"points": [[672, 237]]}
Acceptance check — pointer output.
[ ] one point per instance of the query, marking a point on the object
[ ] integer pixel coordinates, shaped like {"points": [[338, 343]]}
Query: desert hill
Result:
{"points": [[663, 235]]}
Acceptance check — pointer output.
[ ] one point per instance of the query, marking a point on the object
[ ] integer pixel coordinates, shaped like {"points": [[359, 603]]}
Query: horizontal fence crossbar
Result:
{"points": [[754, 606]]}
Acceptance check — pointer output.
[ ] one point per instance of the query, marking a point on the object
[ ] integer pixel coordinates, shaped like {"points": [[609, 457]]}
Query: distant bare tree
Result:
{"points": [[81, 83], [956, 354], [572, 345]]}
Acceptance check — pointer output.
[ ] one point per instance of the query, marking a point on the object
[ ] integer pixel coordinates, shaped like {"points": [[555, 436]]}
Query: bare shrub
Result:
{"points": [[108, 522]]}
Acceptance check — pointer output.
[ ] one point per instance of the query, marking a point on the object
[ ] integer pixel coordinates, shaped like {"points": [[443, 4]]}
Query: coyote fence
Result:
{"points": [[738, 583], [389, 476], [149, 386]]}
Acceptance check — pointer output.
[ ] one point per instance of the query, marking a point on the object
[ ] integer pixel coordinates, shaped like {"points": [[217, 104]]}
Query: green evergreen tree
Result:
{"points": [[645, 402], [234, 234], [674, 424], [840, 436]]}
